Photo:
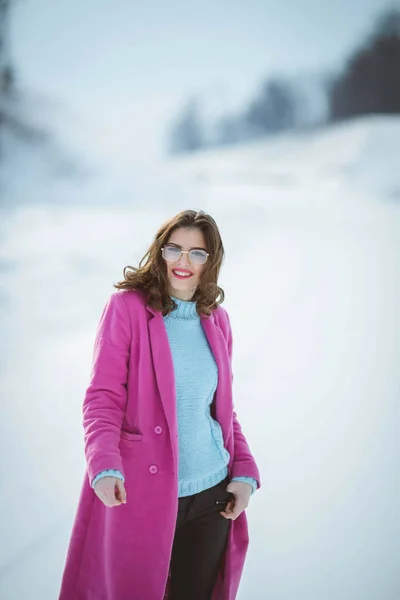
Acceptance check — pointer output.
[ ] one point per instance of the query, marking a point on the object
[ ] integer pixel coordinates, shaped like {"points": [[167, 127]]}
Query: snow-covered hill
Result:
{"points": [[311, 227]]}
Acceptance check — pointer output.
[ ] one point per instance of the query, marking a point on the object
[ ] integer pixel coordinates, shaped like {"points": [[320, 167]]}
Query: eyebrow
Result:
{"points": [[194, 248]]}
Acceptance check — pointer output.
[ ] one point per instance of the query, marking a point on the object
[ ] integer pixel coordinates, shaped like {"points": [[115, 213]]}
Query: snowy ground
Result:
{"points": [[311, 226]]}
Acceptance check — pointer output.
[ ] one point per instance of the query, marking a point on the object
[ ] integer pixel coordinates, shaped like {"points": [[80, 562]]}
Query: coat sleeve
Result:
{"points": [[105, 399], [244, 464]]}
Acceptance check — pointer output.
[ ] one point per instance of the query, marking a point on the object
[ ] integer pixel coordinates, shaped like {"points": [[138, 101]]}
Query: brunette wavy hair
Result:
{"points": [[151, 277]]}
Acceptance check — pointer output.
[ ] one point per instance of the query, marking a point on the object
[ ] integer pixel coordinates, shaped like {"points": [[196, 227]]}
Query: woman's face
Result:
{"points": [[187, 239]]}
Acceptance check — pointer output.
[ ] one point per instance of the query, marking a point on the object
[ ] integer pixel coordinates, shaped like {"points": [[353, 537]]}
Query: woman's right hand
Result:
{"points": [[110, 490]]}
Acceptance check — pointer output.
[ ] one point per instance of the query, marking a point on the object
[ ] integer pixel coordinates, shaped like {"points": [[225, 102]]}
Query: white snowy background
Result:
{"points": [[311, 228]]}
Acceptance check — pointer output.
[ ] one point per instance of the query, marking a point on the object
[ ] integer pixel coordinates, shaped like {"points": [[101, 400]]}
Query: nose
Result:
{"points": [[184, 262]]}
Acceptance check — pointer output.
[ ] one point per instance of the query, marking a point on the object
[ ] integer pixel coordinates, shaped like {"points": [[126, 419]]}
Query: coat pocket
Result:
{"points": [[130, 436]]}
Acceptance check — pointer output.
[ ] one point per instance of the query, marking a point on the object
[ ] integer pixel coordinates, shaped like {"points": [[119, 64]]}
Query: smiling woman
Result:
{"points": [[184, 264], [184, 261], [161, 432]]}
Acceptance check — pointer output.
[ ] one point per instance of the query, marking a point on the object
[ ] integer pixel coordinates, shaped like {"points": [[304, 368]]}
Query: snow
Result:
{"points": [[310, 224]]}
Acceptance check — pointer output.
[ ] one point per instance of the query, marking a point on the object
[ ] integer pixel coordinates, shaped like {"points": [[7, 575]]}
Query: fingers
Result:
{"points": [[121, 492], [233, 508], [111, 491]]}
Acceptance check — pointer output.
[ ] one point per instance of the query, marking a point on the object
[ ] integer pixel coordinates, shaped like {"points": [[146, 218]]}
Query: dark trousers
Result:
{"points": [[201, 535]]}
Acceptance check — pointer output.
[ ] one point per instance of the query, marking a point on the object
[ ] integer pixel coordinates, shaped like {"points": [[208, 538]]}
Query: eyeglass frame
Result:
{"points": [[184, 252]]}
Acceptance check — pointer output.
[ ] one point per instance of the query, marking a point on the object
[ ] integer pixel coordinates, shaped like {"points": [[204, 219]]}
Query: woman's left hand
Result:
{"points": [[242, 492]]}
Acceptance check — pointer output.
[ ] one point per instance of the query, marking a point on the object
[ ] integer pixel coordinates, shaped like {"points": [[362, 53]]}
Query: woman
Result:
{"points": [[169, 472]]}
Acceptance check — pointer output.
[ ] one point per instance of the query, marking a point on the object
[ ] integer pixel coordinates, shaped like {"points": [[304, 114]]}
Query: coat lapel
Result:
{"points": [[165, 375]]}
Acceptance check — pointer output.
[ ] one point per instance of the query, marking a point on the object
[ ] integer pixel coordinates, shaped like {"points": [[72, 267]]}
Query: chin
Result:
{"points": [[181, 284]]}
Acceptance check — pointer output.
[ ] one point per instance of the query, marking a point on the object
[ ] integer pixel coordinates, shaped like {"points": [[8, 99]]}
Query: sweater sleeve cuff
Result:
{"points": [[251, 480], [108, 472]]}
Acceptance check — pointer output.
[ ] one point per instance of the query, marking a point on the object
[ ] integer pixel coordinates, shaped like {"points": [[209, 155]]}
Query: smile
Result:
{"points": [[181, 274]]}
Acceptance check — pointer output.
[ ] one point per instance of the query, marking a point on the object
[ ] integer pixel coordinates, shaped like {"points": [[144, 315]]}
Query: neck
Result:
{"points": [[186, 295]]}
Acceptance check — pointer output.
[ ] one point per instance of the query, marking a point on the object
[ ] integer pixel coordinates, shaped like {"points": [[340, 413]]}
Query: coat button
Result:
{"points": [[153, 469], [158, 429]]}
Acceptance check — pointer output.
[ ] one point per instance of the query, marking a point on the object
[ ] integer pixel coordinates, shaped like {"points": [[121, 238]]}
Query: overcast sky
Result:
{"points": [[129, 66]]}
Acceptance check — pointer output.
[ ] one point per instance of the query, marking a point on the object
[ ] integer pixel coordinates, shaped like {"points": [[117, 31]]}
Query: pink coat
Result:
{"points": [[130, 423]]}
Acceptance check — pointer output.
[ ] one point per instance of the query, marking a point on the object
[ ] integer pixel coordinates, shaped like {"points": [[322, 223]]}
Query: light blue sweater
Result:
{"points": [[203, 459]]}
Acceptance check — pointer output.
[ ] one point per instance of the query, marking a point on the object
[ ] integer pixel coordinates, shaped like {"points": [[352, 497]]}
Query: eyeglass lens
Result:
{"points": [[173, 253]]}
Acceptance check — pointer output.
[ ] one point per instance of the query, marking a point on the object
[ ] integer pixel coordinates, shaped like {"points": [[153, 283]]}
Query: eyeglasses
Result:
{"points": [[196, 257]]}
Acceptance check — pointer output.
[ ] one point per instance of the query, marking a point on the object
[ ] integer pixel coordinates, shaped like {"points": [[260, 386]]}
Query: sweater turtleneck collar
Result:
{"points": [[186, 309]]}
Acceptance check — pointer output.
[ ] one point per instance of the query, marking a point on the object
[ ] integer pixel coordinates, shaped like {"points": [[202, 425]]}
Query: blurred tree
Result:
{"points": [[11, 116], [187, 133], [6, 71], [17, 114], [283, 104], [274, 109], [228, 130], [370, 82]]}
